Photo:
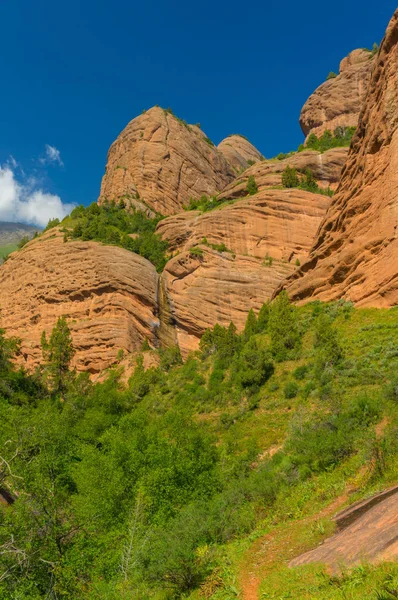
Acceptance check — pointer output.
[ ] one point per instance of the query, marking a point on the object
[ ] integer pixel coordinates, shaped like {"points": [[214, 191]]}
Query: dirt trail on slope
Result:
{"points": [[368, 529]]}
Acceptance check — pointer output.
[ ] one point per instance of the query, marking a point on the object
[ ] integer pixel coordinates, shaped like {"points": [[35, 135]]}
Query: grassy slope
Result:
{"points": [[256, 566], [7, 249]]}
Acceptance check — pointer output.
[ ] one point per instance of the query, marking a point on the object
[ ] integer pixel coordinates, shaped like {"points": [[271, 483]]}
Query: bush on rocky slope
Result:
{"points": [[112, 224]]}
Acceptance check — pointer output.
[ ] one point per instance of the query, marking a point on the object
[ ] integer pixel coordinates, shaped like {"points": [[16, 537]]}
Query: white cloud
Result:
{"points": [[22, 203], [53, 155]]}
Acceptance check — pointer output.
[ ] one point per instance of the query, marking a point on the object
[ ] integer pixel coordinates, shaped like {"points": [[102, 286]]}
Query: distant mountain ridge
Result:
{"points": [[12, 233]]}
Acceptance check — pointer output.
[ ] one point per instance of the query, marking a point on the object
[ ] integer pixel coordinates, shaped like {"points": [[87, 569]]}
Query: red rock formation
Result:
{"points": [[239, 152], [370, 533], [278, 223], [217, 287], [325, 167], [355, 255], [108, 294], [265, 235], [165, 161], [338, 101]]}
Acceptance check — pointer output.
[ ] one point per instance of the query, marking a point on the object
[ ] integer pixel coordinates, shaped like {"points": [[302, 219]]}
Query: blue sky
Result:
{"points": [[74, 73]]}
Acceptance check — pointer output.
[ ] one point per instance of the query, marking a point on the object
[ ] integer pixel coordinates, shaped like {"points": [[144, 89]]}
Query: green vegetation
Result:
{"points": [[169, 111], [51, 224], [110, 223], [332, 75], [159, 488], [341, 137], [6, 250], [292, 178], [251, 186]]}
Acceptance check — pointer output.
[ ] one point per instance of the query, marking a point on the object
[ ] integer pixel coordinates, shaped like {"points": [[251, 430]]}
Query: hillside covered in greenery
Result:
{"points": [[160, 488], [111, 224]]}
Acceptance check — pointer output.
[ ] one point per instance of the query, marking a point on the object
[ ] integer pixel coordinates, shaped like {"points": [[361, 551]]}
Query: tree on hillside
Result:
{"points": [[251, 186], [250, 326], [290, 179], [58, 352], [284, 328], [328, 350]]}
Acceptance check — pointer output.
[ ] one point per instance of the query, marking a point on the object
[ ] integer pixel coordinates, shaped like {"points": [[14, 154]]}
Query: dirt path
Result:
{"points": [[278, 547], [369, 527]]}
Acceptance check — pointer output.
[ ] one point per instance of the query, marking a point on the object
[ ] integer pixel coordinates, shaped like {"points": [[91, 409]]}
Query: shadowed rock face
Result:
{"points": [[355, 255], [238, 151], [165, 161], [108, 295], [371, 534], [338, 101]]}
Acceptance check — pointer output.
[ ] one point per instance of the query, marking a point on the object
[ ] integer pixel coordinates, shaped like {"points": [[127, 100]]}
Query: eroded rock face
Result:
{"points": [[355, 255], [278, 223], [338, 101], [108, 295], [165, 161], [239, 152], [217, 287], [325, 167], [266, 236]]}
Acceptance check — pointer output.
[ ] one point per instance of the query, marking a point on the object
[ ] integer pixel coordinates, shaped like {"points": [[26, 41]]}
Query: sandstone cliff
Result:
{"points": [[338, 101], [163, 161], [108, 294], [326, 169], [266, 236], [355, 255], [239, 152]]}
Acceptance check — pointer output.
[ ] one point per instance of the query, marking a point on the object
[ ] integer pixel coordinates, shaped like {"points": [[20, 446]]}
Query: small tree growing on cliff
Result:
{"points": [[251, 186], [290, 179], [58, 352]]}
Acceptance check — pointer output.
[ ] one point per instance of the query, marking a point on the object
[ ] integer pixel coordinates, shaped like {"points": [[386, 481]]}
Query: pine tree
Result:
{"points": [[290, 178], [284, 328], [328, 350], [58, 352], [263, 317], [251, 326], [251, 186]]}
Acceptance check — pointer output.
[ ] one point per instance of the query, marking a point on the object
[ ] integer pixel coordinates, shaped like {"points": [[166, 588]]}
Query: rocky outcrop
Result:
{"points": [[338, 101], [326, 169], [370, 532], [216, 287], [108, 295], [162, 161], [276, 223], [239, 152], [266, 236], [355, 255]]}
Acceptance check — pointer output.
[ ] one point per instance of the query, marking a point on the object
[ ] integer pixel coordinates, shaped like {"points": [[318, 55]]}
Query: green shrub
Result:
{"points": [[290, 390], [196, 252], [332, 75], [300, 372], [251, 186], [284, 328], [110, 223], [290, 177], [23, 241], [52, 223]]}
